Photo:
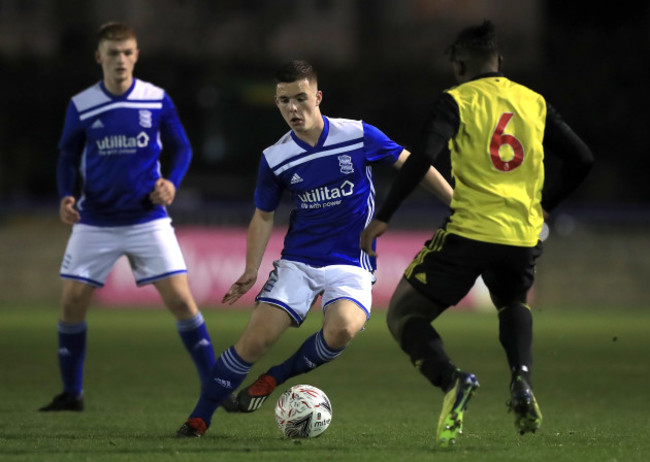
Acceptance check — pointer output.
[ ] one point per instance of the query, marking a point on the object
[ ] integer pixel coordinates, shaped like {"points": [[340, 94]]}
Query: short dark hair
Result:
{"points": [[295, 70], [477, 42], [115, 31]]}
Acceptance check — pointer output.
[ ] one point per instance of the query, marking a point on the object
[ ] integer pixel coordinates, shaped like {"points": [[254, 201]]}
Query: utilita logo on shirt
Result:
{"points": [[122, 144], [325, 197]]}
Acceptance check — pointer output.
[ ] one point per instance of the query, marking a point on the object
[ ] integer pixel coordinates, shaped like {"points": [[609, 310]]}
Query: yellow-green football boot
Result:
{"points": [[450, 423], [528, 417]]}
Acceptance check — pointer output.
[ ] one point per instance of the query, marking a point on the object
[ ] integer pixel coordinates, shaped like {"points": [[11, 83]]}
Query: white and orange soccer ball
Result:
{"points": [[303, 411]]}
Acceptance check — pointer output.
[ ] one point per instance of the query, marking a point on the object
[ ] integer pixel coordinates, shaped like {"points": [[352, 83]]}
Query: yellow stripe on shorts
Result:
{"points": [[435, 245]]}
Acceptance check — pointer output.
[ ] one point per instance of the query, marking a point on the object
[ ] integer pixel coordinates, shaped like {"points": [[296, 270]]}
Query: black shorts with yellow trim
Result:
{"points": [[448, 265]]}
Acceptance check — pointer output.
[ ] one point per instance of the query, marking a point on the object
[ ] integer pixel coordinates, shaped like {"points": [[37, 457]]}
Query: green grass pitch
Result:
{"points": [[591, 380]]}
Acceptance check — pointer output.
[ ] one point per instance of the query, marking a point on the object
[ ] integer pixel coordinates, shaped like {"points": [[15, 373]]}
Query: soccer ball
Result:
{"points": [[303, 411]]}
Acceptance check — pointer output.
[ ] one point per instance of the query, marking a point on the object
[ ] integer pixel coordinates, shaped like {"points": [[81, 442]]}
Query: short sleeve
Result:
{"points": [[268, 190], [378, 147]]}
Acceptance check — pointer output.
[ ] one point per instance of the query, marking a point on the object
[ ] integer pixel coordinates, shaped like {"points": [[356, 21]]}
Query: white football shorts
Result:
{"points": [[295, 286], [151, 248]]}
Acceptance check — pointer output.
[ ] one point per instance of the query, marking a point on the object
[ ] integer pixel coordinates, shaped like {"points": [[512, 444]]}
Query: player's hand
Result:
{"points": [[240, 287], [163, 192], [68, 213], [375, 229]]}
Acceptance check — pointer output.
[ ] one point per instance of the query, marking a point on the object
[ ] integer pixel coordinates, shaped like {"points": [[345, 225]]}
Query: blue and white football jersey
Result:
{"points": [[110, 147], [332, 188]]}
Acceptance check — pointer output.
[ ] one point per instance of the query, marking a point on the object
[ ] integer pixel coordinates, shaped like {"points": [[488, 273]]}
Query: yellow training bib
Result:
{"points": [[497, 162]]}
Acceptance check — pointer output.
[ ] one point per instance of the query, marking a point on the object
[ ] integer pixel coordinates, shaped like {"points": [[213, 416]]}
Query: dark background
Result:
{"points": [[379, 60]]}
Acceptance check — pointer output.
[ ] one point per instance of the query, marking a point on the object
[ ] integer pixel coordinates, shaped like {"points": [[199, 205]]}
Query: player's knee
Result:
{"points": [[72, 311], [396, 321], [71, 302], [398, 308], [252, 349], [338, 336], [74, 307], [181, 307], [502, 302], [395, 318], [175, 294], [393, 322], [342, 323]]}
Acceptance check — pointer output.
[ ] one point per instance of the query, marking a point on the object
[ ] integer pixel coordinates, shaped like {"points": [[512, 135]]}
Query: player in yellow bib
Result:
{"points": [[498, 133], [497, 159]]}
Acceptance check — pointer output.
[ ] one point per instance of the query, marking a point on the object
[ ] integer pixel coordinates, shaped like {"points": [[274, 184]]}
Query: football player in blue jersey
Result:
{"points": [[112, 192], [326, 166]]}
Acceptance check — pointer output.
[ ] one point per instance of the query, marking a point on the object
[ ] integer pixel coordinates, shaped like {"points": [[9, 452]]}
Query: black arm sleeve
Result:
{"points": [[441, 125], [575, 160]]}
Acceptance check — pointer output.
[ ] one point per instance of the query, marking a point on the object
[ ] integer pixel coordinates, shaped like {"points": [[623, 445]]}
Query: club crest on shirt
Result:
{"points": [[345, 162], [145, 118]]}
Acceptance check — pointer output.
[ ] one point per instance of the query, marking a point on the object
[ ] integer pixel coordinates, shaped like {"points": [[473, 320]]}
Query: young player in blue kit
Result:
{"points": [[112, 139], [326, 165]]}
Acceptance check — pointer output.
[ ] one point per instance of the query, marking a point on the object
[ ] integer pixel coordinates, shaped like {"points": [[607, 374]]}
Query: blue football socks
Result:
{"points": [[312, 353], [226, 376], [72, 352], [197, 341]]}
